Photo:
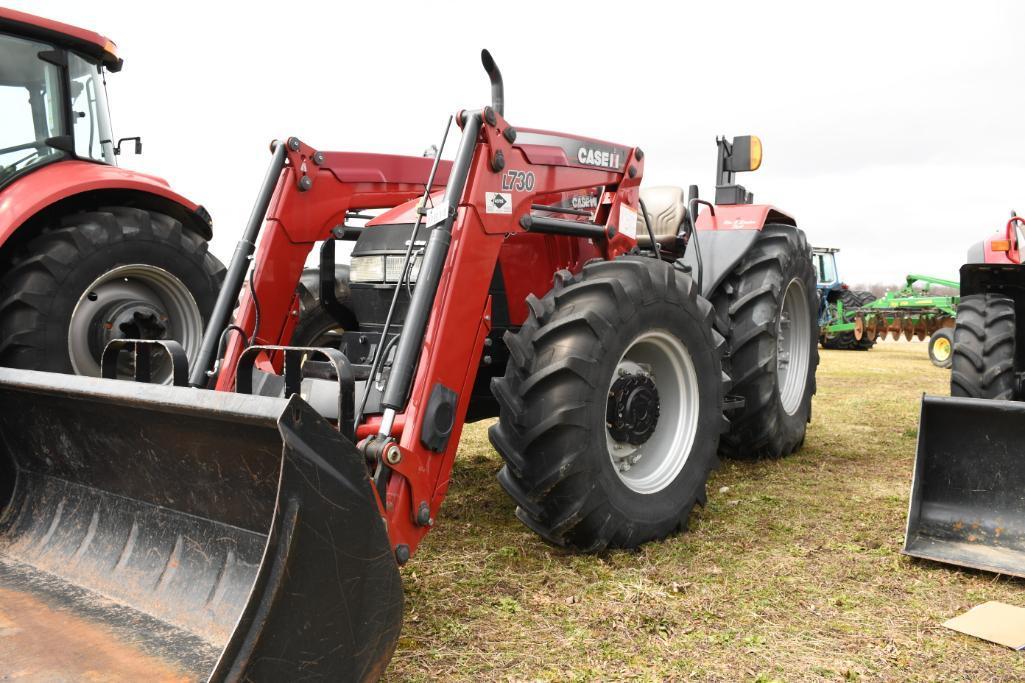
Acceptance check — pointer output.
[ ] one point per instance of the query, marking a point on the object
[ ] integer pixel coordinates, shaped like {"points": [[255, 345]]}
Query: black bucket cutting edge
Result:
{"points": [[967, 505], [165, 532]]}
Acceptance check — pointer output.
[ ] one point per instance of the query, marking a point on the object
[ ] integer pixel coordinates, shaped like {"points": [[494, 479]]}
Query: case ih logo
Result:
{"points": [[584, 201], [605, 158], [739, 223]]}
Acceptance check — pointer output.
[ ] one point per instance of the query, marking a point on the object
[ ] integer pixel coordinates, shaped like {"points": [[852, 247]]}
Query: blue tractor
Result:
{"points": [[831, 291]]}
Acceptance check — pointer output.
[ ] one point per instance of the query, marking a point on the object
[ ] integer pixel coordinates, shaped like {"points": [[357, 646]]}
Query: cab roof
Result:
{"points": [[81, 40]]}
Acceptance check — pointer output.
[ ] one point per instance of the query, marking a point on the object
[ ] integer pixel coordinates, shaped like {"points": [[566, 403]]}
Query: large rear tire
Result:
{"points": [[611, 406], [113, 272], [767, 310], [984, 348]]}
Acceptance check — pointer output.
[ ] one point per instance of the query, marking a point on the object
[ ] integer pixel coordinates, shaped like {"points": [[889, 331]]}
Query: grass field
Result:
{"points": [[792, 572]]}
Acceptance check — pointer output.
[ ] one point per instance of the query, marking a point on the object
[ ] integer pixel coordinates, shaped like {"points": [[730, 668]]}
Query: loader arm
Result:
{"points": [[299, 215], [414, 442], [418, 436]]}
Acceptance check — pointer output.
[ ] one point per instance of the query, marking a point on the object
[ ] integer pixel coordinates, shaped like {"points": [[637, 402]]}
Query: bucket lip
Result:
{"points": [[227, 406]]}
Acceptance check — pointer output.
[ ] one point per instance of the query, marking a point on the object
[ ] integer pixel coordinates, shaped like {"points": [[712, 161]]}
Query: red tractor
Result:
{"points": [[257, 512], [89, 252], [968, 494]]}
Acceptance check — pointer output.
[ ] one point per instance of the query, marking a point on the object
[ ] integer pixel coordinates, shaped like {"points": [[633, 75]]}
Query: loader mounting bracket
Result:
{"points": [[299, 364], [143, 351]]}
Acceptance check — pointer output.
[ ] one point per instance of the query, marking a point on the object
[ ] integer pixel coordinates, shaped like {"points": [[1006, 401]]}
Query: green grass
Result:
{"points": [[792, 572]]}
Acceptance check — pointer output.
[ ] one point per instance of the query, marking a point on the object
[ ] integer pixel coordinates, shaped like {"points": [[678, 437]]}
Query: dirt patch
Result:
{"points": [[40, 643]]}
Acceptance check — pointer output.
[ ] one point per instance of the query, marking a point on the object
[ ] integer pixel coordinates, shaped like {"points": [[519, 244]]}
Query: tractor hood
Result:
{"points": [[405, 213]]}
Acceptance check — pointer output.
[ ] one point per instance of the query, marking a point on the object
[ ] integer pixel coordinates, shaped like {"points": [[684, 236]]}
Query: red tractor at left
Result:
{"points": [[89, 252]]}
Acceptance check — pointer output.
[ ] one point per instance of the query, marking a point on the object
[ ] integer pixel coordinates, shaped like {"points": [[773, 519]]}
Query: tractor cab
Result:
{"points": [[828, 282], [825, 268], [53, 100]]}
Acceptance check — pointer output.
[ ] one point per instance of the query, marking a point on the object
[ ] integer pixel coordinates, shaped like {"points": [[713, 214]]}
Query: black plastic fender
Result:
{"points": [[720, 252]]}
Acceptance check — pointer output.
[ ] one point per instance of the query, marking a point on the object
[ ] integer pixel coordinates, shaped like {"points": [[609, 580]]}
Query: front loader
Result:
{"points": [[250, 521], [968, 493]]}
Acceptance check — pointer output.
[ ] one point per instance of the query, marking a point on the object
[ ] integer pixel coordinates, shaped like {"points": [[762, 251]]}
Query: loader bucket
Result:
{"points": [[164, 533], [968, 494]]}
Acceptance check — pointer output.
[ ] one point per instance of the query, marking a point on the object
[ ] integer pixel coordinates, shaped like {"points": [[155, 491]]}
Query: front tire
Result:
{"points": [[316, 326], [984, 348], [767, 308], [941, 347], [103, 274], [611, 406]]}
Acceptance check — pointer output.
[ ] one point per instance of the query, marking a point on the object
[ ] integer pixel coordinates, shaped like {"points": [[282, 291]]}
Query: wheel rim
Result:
{"points": [[655, 359], [133, 301], [792, 347], [941, 348]]}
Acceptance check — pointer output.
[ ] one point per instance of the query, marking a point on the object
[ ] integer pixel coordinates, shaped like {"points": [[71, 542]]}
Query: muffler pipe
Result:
{"points": [[497, 88], [237, 269]]}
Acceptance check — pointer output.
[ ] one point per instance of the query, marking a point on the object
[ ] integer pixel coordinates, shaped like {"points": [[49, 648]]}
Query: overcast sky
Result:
{"points": [[894, 131]]}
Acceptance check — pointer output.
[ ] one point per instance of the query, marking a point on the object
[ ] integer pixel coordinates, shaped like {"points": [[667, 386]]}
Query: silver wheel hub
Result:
{"points": [[132, 302], [652, 412], [793, 347]]}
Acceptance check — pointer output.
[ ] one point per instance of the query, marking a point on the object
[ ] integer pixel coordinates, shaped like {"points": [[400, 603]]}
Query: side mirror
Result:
{"points": [[138, 145], [745, 154]]}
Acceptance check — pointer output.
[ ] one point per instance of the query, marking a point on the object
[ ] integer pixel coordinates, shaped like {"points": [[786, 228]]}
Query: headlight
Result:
{"points": [[366, 269], [381, 268]]}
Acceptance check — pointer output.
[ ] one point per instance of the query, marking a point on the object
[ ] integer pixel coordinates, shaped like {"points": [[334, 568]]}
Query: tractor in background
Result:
{"points": [[89, 252], [836, 301], [855, 320]]}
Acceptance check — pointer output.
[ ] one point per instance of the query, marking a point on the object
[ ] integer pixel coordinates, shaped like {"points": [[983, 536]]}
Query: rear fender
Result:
{"points": [[68, 186], [724, 238]]}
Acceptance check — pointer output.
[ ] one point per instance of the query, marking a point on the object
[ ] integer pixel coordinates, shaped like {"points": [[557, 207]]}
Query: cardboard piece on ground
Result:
{"points": [[996, 622]]}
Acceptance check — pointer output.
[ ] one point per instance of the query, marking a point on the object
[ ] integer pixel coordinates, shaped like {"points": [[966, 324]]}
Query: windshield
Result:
{"points": [[89, 111], [826, 263], [30, 105]]}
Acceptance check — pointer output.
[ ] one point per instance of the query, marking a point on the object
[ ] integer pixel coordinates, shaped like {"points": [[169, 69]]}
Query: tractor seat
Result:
{"points": [[666, 205]]}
